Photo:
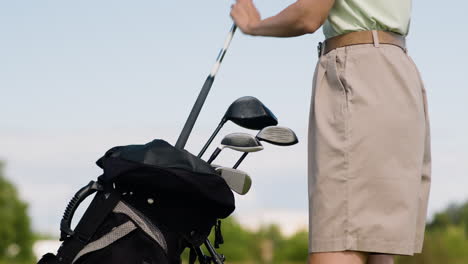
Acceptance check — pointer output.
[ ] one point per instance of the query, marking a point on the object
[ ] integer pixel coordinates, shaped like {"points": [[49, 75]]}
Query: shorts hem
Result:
{"points": [[363, 245], [418, 246]]}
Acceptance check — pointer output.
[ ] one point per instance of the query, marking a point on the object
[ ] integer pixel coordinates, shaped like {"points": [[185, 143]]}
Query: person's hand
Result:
{"points": [[245, 15]]}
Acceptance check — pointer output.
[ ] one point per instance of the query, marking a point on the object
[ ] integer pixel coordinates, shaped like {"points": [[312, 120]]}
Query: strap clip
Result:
{"points": [[319, 49]]}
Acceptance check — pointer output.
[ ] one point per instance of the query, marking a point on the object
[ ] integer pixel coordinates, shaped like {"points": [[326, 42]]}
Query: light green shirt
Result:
{"points": [[357, 15]]}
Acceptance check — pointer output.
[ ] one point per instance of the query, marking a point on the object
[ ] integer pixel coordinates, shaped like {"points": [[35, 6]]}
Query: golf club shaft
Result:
{"points": [[211, 138], [183, 137], [201, 256], [240, 160], [214, 255], [214, 155]]}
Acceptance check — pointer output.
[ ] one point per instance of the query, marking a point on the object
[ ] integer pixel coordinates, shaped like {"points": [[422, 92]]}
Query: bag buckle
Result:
{"points": [[319, 49]]}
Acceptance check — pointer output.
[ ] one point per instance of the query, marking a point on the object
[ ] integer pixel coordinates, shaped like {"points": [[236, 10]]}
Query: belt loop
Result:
{"points": [[375, 37]]}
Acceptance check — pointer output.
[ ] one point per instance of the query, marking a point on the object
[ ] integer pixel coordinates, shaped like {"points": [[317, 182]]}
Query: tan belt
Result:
{"points": [[362, 37]]}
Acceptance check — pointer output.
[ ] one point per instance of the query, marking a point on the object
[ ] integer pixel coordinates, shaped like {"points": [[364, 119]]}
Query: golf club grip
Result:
{"points": [[183, 137], [194, 113], [240, 160], [214, 155]]}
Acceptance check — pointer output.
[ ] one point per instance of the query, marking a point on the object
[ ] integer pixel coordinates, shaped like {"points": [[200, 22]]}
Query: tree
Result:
{"points": [[16, 237], [295, 249]]}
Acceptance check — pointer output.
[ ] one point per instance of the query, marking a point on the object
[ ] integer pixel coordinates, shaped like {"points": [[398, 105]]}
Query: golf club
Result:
{"points": [[183, 137], [239, 181], [247, 112], [237, 141], [276, 135]]}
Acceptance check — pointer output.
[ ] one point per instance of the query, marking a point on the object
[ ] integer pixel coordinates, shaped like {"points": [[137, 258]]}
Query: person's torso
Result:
{"points": [[357, 15]]}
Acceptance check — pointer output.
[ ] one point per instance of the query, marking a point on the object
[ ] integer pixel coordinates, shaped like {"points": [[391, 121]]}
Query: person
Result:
{"points": [[369, 163]]}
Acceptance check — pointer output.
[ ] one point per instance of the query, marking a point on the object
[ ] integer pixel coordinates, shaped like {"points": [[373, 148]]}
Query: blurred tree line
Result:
{"points": [[266, 245], [16, 237]]}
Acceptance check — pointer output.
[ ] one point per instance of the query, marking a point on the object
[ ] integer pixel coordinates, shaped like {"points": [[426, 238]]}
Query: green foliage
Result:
{"points": [[295, 248], [454, 215], [16, 237], [269, 240], [446, 239], [447, 245]]}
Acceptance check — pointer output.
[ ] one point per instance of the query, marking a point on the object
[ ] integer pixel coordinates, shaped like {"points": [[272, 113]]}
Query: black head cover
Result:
{"points": [[182, 185], [249, 112]]}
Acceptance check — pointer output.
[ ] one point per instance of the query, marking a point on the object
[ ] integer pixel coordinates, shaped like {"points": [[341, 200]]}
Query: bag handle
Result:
{"points": [[83, 193]]}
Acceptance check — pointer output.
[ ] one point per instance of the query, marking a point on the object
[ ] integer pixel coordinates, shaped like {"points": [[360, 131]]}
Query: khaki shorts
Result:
{"points": [[369, 152]]}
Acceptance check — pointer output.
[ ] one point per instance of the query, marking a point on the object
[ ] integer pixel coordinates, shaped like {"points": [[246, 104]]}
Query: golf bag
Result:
{"points": [[151, 203]]}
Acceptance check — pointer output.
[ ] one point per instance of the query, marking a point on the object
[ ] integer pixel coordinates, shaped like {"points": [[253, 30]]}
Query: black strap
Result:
{"points": [[218, 234], [192, 256], [100, 207]]}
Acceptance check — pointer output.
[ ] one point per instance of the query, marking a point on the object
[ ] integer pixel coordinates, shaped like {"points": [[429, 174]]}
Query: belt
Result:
{"points": [[361, 37]]}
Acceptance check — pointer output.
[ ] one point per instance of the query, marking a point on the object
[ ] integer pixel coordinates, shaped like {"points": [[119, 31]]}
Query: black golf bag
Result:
{"points": [[151, 203]]}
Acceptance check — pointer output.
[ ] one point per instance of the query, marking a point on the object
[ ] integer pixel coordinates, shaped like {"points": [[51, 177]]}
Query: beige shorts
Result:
{"points": [[369, 152]]}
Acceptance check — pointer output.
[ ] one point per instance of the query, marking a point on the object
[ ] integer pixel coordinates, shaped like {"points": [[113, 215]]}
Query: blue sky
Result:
{"points": [[77, 78]]}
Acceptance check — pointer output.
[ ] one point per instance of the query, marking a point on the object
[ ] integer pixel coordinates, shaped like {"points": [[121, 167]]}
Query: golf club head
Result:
{"points": [[249, 112], [241, 142], [278, 135], [237, 141], [239, 181]]}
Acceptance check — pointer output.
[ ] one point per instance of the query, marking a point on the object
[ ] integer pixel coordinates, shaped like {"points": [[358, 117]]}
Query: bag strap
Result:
{"points": [[100, 207], [192, 256], [104, 241]]}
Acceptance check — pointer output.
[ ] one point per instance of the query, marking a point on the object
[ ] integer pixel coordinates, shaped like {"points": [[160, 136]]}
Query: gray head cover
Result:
{"points": [[278, 135], [237, 141], [239, 181], [241, 142]]}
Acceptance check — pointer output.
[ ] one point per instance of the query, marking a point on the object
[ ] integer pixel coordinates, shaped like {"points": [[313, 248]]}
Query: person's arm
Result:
{"points": [[302, 17]]}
